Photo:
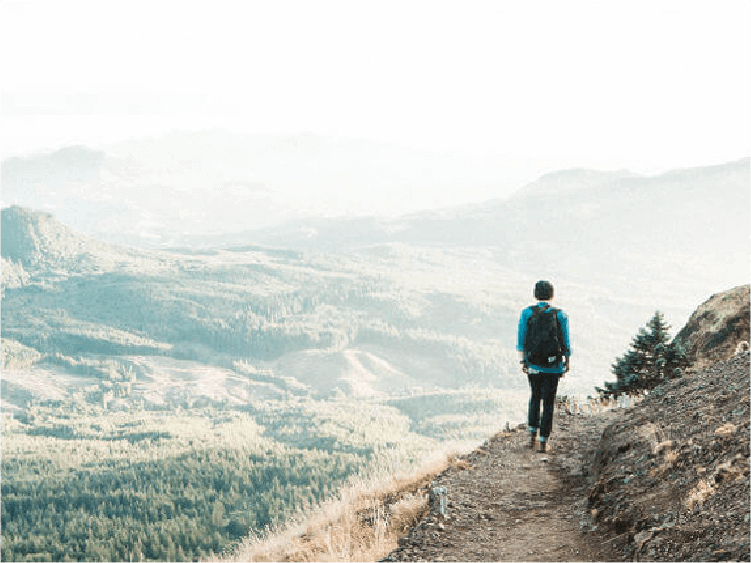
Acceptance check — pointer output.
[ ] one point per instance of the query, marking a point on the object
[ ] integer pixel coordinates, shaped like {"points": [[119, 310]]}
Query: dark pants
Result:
{"points": [[544, 387]]}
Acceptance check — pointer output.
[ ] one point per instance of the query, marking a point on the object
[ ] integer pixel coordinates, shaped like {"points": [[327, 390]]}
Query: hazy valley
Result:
{"points": [[311, 351]]}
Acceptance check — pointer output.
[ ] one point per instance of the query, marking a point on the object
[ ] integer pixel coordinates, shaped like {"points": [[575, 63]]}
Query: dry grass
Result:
{"points": [[363, 524]]}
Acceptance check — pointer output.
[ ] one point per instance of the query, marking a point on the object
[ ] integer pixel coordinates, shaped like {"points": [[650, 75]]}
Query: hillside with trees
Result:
{"points": [[83, 305], [139, 386]]}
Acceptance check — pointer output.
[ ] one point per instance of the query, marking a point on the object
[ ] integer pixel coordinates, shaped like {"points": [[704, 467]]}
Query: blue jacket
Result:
{"points": [[526, 313]]}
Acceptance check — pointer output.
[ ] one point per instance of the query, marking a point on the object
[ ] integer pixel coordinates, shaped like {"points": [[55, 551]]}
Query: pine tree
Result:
{"points": [[651, 360]]}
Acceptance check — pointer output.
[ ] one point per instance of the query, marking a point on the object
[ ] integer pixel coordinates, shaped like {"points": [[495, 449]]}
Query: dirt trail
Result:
{"points": [[509, 503]]}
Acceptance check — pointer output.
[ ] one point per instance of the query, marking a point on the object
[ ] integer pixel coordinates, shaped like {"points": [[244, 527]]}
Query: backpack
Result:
{"points": [[543, 343]]}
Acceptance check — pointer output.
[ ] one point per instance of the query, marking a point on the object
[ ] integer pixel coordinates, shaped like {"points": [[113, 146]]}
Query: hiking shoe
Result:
{"points": [[542, 447], [532, 440]]}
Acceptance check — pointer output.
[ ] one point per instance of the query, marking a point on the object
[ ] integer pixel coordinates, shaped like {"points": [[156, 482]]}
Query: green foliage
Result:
{"points": [[83, 483], [651, 360], [201, 501], [259, 305], [155, 495], [455, 309]]}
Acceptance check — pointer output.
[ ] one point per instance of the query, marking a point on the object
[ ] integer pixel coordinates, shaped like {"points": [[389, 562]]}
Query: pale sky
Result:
{"points": [[642, 85]]}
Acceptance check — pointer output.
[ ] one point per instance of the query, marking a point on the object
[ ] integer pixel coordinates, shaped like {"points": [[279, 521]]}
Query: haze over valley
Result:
{"points": [[268, 366], [426, 300]]}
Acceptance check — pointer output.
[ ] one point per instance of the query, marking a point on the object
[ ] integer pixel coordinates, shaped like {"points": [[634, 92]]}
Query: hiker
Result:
{"points": [[544, 348]]}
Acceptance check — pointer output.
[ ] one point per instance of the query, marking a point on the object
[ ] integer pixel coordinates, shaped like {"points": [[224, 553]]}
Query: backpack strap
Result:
{"points": [[560, 329], [539, 310]]}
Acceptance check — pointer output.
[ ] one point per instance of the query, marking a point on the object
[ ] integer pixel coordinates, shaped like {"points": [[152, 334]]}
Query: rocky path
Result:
{"points": [[509, 503], [666, 480]]}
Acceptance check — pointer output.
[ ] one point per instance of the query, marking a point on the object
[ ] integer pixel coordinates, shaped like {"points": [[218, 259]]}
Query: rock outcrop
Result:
{"points": [[717, 327]]}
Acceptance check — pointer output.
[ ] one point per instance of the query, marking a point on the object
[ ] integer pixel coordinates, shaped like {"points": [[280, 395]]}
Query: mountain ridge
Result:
{"points": [[38, 242], [572, 179], [692, 223], [140, 181], [153, 192]]}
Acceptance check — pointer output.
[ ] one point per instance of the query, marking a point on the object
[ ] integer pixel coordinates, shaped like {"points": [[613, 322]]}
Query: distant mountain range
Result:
{"points": [[674, 237], [154, 192], [210, 188], [565, 206], [687, 225], [684, 229], [427, 285]]}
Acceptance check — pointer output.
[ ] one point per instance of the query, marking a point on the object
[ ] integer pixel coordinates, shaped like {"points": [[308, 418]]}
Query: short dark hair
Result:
{"points": [[543, 290]]}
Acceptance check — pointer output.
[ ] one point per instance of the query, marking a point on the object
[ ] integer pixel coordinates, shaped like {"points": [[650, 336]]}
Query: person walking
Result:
{"points": [[545, 350]]}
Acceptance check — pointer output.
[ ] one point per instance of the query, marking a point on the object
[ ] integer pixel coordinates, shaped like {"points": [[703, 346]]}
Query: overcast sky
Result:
{"points": [[644, 85]]}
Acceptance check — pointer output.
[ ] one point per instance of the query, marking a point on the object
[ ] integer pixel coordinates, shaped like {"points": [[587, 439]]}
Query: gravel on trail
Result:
{"points": [[509, 503], [665, 480]]}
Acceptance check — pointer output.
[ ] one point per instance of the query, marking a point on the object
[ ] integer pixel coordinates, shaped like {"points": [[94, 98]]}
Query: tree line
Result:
{"points": [[180, 508]]}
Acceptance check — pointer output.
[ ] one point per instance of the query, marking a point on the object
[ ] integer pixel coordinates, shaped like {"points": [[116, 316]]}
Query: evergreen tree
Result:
{"points": [[651, 360]]}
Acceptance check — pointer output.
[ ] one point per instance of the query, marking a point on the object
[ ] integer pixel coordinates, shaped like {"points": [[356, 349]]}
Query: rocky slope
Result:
{"points": [[670, 478], [716, 327]]}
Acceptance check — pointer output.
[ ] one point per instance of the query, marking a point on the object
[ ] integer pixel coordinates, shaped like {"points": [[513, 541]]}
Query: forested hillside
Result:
{"points": [[439, 319]]}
